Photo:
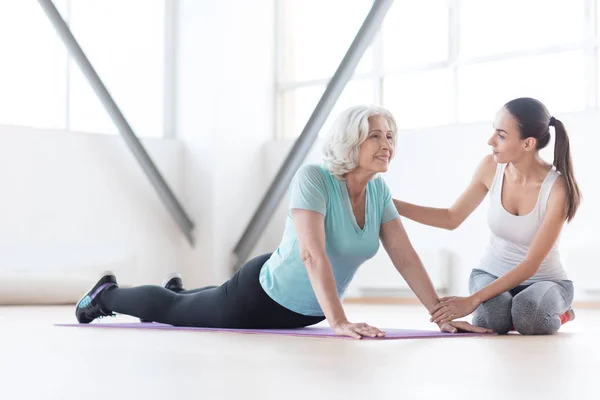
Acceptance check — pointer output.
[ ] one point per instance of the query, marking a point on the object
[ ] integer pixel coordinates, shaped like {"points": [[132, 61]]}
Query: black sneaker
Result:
{"points": [[89, 308], [173, 283]]}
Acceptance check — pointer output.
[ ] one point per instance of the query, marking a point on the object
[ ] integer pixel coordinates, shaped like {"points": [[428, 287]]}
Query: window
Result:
{"points": [[317, 35], [488, 27], [300, 103], [414, 33], [42, 87], [419, 99], [438, 62], [129, 62], [33, 68], [485, 87]]}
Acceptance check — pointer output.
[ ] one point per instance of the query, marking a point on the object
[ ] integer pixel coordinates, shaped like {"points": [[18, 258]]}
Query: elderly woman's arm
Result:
{"points": [[407, 262], [310, 229], [409, 265]]}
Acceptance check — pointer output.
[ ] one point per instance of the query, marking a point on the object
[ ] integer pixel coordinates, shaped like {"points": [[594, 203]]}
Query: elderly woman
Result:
{"points": [[338, 213]]}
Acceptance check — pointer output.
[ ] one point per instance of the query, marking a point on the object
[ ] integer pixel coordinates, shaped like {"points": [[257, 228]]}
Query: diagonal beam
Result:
{"points": [[149, 168], [309, 134]]}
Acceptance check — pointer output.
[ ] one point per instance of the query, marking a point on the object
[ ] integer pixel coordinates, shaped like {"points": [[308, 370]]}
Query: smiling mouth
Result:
{"points": [[384, 159]]}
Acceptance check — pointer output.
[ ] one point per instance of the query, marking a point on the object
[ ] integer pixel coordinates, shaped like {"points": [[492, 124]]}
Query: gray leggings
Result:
{"points": [[531, 309]]}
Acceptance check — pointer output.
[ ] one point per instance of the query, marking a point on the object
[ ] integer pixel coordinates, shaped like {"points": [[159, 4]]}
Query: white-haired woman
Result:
{"points": [[338, 213]]}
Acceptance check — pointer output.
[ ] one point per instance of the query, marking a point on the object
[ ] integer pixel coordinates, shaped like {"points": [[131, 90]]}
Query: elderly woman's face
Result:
{"points": [[377, 150]]}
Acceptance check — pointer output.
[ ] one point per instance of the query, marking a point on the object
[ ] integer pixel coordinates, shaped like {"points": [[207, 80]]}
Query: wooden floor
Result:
{"points": [[40, 361]]}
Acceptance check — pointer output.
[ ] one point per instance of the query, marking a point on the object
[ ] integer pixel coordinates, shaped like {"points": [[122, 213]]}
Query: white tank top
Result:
{"points": [[512, 235]]}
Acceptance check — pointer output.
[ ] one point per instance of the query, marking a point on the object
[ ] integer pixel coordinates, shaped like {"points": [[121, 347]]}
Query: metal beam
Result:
{"points": [[310, 132], [160, 186]]}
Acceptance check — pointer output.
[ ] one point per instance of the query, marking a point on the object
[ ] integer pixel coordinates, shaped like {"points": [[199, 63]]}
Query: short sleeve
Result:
{"points": [[307, 191], [389, 209]]}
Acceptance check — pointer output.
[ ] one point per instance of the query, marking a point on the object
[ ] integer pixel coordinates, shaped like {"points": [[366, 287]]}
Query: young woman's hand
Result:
{"points": [[450, 308], [356, 331], [461, 326]]}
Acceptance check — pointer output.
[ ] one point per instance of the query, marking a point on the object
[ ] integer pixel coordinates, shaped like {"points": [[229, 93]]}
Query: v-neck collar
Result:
{"points": [[349, 210]]}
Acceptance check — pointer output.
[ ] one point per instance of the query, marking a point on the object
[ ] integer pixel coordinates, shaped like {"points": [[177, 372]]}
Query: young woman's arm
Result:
{"points": [[451, 218], [310, 230], [556, 214]]}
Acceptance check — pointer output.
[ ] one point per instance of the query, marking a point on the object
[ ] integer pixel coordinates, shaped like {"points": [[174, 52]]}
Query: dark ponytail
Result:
{"points": [[534, 121], [564, 165]]}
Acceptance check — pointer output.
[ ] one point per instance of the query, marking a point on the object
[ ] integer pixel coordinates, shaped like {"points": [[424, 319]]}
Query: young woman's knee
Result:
{"points": [[532, 317], [494, 314], [536, 324], [497, 324]]}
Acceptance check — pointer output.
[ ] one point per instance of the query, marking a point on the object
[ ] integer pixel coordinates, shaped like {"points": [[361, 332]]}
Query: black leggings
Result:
{"points": [[238, 303]]}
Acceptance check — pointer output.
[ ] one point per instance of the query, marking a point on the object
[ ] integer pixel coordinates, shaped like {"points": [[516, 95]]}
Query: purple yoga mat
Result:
{"points": [[307, 332]]}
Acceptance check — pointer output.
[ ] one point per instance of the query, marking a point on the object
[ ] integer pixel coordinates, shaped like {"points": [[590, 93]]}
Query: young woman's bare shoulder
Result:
{"points": [[486, 170], [558, 193]]}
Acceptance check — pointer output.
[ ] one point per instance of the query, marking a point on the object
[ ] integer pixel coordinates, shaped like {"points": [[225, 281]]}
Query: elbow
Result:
{"points": [[529, 268], [451, 222], [450, 227], [312, 258]]}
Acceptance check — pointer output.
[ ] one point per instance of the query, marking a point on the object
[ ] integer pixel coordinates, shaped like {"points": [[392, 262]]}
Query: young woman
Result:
{"points": [[520, 283], [338, 213]]}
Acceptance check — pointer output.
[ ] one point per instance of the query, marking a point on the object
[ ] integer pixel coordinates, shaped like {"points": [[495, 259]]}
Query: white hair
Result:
{"points": [[348, 132]]}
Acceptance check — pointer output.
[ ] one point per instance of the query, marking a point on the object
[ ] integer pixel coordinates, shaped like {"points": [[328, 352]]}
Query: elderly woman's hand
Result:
{"points": [[461, 326], [356, 331]]}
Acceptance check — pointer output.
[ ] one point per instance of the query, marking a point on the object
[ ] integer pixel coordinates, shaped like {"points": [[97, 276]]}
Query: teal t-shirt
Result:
{"points": [[284, 277]]}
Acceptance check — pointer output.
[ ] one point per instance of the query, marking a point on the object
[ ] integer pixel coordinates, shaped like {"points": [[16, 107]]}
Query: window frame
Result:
{"points": [[589, 46], [169, 33]]}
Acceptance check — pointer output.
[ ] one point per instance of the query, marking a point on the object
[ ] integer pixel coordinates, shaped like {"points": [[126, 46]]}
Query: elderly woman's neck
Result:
{"points": [[356, 182]]}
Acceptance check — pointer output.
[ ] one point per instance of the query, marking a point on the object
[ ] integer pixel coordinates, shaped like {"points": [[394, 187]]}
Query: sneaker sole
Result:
{"points": [[169, 277], [105, 273]]}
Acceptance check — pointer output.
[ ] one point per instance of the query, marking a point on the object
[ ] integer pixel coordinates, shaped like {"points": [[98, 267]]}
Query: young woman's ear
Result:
{"points": [[530, 144]]}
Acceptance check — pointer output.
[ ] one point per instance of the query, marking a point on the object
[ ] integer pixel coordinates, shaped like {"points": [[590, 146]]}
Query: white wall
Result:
{"points": [[225, 95], [75, 204], [433, 166]]}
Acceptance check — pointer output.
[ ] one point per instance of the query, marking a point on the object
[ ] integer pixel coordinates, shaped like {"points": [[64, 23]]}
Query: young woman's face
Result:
{"points": [[377, 150], [506, 142]]}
